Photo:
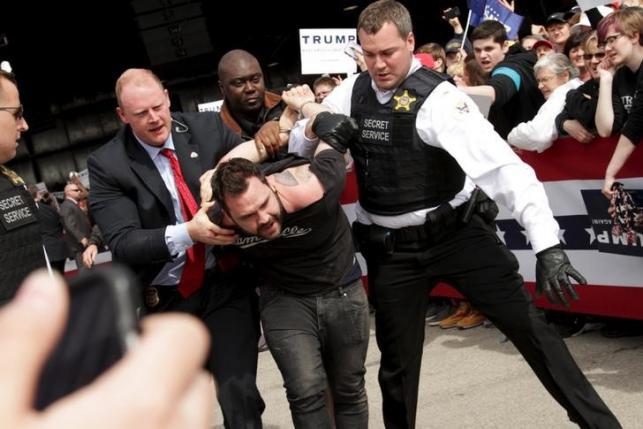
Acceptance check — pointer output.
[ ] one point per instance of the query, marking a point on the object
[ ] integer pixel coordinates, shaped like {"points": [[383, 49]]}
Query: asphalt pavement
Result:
{"points": [[473, 379]]}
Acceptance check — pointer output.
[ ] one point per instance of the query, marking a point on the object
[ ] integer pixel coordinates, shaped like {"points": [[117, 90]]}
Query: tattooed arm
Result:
{"points": [[301, 186]]}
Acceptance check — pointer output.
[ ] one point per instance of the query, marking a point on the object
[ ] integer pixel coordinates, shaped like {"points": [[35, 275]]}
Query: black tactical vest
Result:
{"points": [[396, 171], [21, 248]]}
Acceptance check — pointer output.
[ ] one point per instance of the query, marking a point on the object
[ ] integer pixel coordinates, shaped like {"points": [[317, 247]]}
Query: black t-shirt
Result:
{"points": [[517, 95], [580, 104], [623, 89], [634, 123], [315, 251]]}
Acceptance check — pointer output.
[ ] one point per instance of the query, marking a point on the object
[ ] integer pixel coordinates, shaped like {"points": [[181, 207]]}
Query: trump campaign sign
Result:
{"points": [[322, 50]]}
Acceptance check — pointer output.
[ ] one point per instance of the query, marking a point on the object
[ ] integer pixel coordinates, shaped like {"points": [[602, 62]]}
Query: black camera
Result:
{"points": [[451, 13], [102, 324]]}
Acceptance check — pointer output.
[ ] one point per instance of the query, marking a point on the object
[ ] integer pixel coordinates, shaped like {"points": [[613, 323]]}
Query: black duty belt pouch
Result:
{"points": [[373, 239], [381, 240], [441, 219], [481, 205]]}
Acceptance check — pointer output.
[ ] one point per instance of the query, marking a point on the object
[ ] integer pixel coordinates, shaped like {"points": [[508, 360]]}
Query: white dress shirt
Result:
{"points": [[177, 238]]}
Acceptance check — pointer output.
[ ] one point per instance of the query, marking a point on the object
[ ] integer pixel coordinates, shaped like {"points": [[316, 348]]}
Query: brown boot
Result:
{"points": [[460, 313], [471, 320]]}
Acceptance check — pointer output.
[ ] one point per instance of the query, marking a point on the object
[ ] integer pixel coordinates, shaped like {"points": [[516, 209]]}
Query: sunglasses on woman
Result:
{"points": [[597, 55]]}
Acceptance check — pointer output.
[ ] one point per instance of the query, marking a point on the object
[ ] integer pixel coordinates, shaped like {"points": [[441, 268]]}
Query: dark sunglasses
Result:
{"points": [[597, 55], [17, 112]]}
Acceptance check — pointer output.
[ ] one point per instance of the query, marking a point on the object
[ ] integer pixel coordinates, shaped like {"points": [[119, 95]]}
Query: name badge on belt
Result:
{"points": [[16, 209]]}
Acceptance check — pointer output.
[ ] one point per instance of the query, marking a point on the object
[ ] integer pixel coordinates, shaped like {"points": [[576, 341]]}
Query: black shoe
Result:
{"points": [[624, 328], [566, 324], [432, 310], [444, 312]]}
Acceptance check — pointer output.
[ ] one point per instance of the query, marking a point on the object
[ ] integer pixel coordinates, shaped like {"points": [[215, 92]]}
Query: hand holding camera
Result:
{"points": [[31, 324], [452, 15]]}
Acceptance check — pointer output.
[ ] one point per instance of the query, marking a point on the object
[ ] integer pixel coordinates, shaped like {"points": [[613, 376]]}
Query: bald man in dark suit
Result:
{"points": [[145, 198]]}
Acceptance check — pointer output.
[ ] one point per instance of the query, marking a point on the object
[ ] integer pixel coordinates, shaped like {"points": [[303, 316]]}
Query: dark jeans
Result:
{"points": [[474, 261], [319, 341], [227, 304]]}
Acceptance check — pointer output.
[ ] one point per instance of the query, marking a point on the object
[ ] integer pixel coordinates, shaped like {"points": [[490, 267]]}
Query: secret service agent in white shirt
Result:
{"points": [[450, 120]]}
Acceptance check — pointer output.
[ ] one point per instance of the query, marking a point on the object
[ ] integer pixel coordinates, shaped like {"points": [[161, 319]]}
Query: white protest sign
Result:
{"points": [[322, 50], [588, 4], [210, 106]]}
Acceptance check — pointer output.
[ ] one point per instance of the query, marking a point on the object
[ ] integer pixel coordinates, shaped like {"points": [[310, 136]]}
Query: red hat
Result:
{"points": [[543, 42], [425, 59]]}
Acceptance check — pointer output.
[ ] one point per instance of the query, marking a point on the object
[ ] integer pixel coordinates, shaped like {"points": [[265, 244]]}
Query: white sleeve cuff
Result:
{"points": [[177, 238], [298, 142], [542, 237]]}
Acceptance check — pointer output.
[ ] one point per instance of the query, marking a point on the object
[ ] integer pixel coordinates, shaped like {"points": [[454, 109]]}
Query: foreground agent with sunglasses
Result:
{"points": [[577, 118], [620, 32], [20, 241]]}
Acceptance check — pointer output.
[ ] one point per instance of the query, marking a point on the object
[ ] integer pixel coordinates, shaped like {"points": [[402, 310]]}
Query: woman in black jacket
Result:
{"points": [[577, 117]]}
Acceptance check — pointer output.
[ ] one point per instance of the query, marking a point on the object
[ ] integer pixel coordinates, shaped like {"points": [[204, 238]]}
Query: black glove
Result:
{"points": [[552, 271], [335, 129]]}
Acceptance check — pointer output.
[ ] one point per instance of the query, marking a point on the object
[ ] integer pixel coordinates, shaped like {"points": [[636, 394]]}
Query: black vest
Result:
{"points": [[21, 248], [396, 171]]}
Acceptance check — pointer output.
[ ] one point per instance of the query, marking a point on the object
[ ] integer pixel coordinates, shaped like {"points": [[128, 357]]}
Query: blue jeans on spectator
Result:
{"points": [[317, 341]]}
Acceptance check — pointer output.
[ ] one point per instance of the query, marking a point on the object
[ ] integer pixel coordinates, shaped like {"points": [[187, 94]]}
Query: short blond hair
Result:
{"points": [[435, 50], [8, 77], [456, 69], [134, 76], [591, 43], [380, 12]]}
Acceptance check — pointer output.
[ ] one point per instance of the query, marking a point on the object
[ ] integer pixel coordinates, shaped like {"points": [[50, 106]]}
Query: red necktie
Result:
{"points": [[194, 269]]}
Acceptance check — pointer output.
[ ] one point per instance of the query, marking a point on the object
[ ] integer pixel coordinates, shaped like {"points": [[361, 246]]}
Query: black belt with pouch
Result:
{"points": [[439, 222]]}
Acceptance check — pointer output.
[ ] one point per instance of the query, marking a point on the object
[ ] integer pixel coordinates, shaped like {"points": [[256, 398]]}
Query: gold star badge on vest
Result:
{"points": [[12, 176], [404, 101]]}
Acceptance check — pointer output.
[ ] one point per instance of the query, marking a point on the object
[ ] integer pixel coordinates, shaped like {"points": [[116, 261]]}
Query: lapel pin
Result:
{"points": [[194, 155]]}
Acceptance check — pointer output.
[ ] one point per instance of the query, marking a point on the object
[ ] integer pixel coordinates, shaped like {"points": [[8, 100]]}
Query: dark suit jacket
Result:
{"points": [[128, 198], [52, 232], [76, 225]]}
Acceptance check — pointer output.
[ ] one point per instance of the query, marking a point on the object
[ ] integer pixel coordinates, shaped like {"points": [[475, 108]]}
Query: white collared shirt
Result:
{"points": [[177, 238]]}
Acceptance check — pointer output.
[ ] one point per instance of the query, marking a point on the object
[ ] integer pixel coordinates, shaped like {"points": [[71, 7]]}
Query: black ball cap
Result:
{"points": [[556, 18]]}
